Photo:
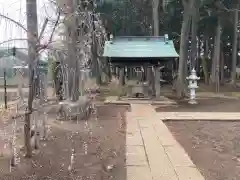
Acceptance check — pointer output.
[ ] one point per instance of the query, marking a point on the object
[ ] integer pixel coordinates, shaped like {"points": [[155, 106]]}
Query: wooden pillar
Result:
{"points": [[157, 81], [145, 73], [128, 73], [117, 72], [131, 73], [122, 76], [153, 82]]}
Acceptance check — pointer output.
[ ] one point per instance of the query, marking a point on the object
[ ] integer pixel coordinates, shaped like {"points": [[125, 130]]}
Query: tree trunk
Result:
{"points": [[217, 55], [155, 17], [213, 67], [73, 65], [222, 81], [155, 7], [194, 27], [98, 72], [183, 53], [187, 54], [234, 53], [96, 59], [205, 70], [205, 60], [32, 27], [198, 55]]}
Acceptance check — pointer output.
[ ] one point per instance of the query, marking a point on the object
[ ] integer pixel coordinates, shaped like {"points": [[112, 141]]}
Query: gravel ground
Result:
{"points": [[99, 144], [213, 146]]}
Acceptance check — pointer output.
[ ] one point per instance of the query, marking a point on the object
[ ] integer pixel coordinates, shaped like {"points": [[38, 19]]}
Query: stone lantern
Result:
{"points": [[192, 86]]}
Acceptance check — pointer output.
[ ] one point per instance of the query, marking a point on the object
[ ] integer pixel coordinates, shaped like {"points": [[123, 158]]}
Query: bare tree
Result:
{"points": [[32, 27], [34, 49]]}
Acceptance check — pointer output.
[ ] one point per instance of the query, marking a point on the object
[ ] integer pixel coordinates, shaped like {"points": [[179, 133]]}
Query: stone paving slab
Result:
{"points": [[199, 116], [160, 165], [134, 139], [136, 156], [164, 135], [138, 173], [188, 173], [165, 159], [178, 156]]}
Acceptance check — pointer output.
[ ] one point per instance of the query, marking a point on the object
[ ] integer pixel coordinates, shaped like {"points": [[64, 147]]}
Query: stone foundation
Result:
{"points": [[78, 110]]}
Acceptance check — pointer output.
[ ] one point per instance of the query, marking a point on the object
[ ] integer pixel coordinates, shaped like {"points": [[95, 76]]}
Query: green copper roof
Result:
{"points": [[139, 47]]}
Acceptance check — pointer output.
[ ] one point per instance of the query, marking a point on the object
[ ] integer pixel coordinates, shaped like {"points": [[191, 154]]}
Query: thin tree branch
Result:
{"points": [[43, 29], [46, 46], [15, 22], [55, 26]]}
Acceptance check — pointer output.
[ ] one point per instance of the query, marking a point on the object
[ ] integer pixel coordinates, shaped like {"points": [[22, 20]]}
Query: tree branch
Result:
{"points": [[55, 26], [46, 46], [43, 29], [15, 22]]}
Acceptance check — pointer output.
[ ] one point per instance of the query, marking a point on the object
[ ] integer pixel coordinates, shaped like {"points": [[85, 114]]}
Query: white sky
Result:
{"points": [[16, 9]]}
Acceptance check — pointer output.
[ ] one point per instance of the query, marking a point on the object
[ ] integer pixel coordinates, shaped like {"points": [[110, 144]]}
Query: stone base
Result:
{"points": [[192, 101], [75, 110], [127, 101], [138, 89]]}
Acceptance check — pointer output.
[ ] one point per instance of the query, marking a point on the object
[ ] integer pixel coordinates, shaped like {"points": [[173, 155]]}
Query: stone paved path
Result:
{"points": [[152, 152], [199, 116]]}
